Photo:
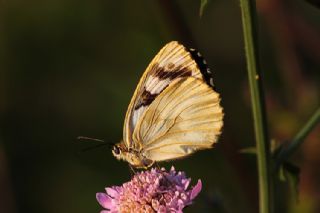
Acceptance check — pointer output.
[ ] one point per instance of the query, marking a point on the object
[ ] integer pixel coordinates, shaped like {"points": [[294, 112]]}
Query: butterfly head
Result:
{"points": [[117, 151], [135, 158]]}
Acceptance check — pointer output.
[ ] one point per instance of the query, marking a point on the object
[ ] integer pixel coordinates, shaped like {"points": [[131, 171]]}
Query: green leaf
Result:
{"points": [[282, 176], [274, 146], [290, 173], [203, 5], [249, 150]]}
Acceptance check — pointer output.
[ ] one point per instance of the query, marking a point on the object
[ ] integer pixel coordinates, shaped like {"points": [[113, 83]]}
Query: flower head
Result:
{"points": [[156, 190]]}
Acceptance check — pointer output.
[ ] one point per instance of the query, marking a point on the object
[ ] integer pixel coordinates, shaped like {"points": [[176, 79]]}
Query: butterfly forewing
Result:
{"points": [[173, 61], [184, 118]]}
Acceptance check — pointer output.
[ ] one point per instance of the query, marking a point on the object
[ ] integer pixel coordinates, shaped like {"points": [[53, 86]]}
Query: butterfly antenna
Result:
{"points": [[102, 143], [90, 139]]}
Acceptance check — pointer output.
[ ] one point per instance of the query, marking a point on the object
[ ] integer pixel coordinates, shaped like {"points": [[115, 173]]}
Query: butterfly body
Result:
{"points": [[134, 157], [174, 111]]}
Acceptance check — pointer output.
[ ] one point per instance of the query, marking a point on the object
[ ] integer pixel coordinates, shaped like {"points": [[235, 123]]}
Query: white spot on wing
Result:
{"points": [[136, 115], [211, 82], [151, 81], [154, 85]]}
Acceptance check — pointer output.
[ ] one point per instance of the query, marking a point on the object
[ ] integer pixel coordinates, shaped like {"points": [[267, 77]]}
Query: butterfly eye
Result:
{"points": [[116, 150]]}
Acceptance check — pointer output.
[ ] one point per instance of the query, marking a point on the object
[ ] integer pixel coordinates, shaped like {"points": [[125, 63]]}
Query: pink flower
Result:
{"points": [[155, 190]]}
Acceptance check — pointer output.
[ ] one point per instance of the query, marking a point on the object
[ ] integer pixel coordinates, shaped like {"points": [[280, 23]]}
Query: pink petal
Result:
{"points": [[112, 192], [196, 190], [174, 195], [104, 200], [186, 183]]}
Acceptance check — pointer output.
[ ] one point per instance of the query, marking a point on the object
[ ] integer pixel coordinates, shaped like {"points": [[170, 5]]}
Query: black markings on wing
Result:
{"points": [[162, 78], [177, 72], [202, 64], [145, 99]]}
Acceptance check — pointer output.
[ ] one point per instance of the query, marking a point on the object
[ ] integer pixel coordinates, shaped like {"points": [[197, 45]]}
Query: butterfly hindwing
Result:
{"points": [[184, 118], [172, 62]]}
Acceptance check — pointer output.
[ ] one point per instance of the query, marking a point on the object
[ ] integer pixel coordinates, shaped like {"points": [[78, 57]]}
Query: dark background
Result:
{"points": [[69, 68]]}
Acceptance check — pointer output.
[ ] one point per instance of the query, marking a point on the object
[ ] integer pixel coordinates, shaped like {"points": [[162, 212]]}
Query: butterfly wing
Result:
{"points": [[172, 62], [185, 117]]}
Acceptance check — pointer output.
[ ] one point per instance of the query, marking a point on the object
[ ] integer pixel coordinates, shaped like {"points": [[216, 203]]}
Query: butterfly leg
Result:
{"points": [[157, 165], [132, 171]]}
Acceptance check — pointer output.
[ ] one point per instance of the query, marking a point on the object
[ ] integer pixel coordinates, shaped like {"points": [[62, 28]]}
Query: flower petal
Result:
{"points": [[112, 192], [196, 190], [104, 200], [186, 183], [157, 189]]}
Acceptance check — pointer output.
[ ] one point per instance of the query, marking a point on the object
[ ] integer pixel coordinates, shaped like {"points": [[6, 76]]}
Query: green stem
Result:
{"points": [[248, 11], [299, 138]]}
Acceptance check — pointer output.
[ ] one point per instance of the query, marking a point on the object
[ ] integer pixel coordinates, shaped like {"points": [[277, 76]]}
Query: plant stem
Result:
{"points": [[299, 137], [248, 11]]}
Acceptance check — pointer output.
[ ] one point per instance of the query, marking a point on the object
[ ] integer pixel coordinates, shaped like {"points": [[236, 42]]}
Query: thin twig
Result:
{"points": [[248, 11], [299, 138]]}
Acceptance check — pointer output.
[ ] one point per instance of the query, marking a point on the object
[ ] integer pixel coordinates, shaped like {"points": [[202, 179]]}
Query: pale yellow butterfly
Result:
{"points": [[174, 111]]}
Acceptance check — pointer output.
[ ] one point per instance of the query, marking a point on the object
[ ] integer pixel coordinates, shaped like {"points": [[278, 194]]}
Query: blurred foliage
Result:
{"points": [[69, 68], [316, 3], [203, 5]]}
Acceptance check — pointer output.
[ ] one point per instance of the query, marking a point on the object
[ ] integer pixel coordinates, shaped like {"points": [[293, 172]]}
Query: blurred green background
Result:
{"points": [[69, 68]]}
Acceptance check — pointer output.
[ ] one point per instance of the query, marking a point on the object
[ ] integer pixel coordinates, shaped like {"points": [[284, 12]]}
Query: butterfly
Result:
{"points": [[174, 110]]}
